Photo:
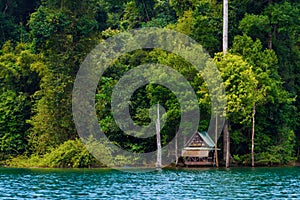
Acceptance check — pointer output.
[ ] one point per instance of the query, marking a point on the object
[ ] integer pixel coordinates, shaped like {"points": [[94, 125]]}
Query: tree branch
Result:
{"points": [[6, 7]]}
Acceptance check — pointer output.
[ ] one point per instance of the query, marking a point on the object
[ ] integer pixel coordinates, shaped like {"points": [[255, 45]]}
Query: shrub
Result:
{"points": [[72, 153]]}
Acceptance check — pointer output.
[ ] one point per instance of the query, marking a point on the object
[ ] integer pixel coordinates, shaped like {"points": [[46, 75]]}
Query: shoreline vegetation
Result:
{"points": [[32, 163], [73, 154], [28, 163], [44, 42]]}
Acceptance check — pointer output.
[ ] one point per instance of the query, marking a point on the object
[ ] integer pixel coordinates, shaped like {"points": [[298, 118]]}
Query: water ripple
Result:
{"points": [[241, 183]]}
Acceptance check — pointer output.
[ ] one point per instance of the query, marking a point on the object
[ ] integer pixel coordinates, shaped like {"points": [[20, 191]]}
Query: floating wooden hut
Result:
{"points": [[199, 150]]}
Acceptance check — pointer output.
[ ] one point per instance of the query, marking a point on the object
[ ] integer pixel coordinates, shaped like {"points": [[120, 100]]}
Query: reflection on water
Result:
{"points": [[235, 183]]}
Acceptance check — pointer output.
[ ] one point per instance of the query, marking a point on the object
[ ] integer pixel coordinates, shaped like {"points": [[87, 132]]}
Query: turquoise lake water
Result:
{"points": [[235, 183]]}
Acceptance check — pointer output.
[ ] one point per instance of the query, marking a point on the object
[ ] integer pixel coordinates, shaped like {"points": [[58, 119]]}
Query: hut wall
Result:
{"points": [[195, 153]]}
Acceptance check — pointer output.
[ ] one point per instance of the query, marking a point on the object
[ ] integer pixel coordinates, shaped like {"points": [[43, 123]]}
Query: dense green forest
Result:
{"points": [[43, 43]]}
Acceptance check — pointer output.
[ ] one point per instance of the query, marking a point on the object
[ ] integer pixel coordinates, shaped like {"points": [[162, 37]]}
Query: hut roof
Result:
{"points": [[200, 139]]}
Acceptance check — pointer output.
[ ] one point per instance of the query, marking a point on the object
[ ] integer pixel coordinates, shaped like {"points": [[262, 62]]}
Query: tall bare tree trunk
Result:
{"points": [[216, 143], [176, 149], [228, 148], [225, 26], [270, 41], [226, 145], [252, 137], [226, 135], [225, 131], [158, 163], [270, 36]]}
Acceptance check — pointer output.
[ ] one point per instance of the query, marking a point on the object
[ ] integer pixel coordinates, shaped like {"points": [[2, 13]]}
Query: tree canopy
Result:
{"points": [[43, 43]]}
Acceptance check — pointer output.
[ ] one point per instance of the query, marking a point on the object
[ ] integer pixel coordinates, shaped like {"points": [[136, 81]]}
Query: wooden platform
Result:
{"points": [[199, 163]]}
